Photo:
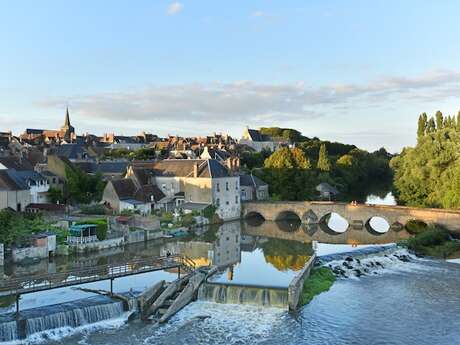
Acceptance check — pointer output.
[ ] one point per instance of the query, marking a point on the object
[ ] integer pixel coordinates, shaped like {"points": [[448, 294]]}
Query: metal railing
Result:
{"points": [[50, 281]]}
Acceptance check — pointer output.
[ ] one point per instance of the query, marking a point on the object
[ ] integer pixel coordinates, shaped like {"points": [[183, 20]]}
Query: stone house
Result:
{"points": [[253, 188], [126, 194], [14, 192], [192, 181], [258, 141]]}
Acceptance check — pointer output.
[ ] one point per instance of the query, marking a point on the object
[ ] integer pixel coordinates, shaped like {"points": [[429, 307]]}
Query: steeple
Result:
{"points": [[67, 118]]}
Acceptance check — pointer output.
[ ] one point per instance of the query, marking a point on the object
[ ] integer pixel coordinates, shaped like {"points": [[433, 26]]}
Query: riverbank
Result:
{"points": [[434, 242]]}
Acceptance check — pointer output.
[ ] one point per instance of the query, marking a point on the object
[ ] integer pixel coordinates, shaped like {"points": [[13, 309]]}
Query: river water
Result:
{"points": [[415, 302]]}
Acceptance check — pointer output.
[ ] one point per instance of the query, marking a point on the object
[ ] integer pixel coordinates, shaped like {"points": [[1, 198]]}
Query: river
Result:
{"points": [[415, 302]]}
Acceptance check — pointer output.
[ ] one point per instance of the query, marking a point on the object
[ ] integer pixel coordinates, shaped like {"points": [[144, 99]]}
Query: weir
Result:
{"points": [[244, 294], [70, 314]]}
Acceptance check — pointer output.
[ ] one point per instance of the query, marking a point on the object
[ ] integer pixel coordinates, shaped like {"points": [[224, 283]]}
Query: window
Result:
{"points": [[218, 202], [163, 186], [236, 185], [227, 203], [236, 199], [226, 186], [218, 187]]}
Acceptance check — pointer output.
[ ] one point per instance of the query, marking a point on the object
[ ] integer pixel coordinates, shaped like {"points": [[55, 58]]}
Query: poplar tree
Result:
{"points": [[323, 159], [439, 120]]}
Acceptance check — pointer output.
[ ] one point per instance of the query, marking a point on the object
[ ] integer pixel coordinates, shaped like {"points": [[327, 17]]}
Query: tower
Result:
{"points": [[67, 131]]}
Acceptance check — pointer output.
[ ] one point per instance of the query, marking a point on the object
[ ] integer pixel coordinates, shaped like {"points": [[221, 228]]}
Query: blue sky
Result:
{"points": [[354, 71]]}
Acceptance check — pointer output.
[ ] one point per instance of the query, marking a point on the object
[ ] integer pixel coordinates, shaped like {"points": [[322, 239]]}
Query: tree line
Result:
{"points": [[294, 172], [428, 175]]}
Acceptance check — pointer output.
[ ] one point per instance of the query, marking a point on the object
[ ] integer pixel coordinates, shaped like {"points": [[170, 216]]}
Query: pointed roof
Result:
{"points": [[67, 117]]}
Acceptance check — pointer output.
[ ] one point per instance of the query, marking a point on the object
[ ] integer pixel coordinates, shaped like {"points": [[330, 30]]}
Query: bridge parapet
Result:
{"points": [[356, 215]]}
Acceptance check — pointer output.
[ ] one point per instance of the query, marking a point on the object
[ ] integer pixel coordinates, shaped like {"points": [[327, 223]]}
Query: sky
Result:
{"points": [[358, 72]]}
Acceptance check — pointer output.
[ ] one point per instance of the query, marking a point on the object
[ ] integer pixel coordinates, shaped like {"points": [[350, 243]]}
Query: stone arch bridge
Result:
{"points": [[357, 216]]}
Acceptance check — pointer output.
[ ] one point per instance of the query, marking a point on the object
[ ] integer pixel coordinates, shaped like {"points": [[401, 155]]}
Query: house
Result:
{"points": [[126, 194], [326, 191], [258, 141], [108, 169], [48, 208], [253, 188], [14, 192], [231, 161], [37, 183], [201, 181], [73, 152]]}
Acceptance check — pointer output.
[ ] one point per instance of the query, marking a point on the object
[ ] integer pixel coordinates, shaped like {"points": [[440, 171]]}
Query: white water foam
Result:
{"points": [[59, 334], [386, 262], [221, 323]]}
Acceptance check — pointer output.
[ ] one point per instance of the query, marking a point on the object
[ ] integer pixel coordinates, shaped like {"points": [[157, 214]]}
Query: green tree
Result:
{"points": [[323, 160], [422, 125], [439, 120], [55, 195], [83, 188]]}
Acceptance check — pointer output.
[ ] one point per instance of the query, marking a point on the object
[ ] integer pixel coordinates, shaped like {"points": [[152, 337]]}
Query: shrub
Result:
{"points": [[101, 227], [320, 280], [96, 209], [415, 227], [434, 242]]}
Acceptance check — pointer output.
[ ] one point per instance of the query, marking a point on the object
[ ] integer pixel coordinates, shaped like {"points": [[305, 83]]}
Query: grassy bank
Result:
{"points": [[435, 242], [320, 280]]}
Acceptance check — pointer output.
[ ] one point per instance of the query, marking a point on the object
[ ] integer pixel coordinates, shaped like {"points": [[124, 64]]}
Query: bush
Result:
{"points": [[415, 227], [101, 227], [96, 209], [320, 280], [434, 242]]}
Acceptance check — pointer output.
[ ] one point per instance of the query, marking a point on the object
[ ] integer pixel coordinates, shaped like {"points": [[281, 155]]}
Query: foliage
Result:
{"points": [[428, 175], [144, 153], [55, 195], [83, 188], [283, 133], [415, 227], [16, 228], [209, 212], [320, 280], [286, 158], [356, 173], [101, 227], [434, 242], [96, 209], [323, 160], [252, 160]]}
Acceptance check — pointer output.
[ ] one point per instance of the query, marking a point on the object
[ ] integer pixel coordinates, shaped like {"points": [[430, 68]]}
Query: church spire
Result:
{"points": [[67, 118]]}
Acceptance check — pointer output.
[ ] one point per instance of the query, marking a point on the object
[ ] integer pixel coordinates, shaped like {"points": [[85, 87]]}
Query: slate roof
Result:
{"points": [[29, 175], [70, 151], [16, 163], [326, 188], [251, 180], [126, 189], [104, 167], [185, 168], [10, 181]]}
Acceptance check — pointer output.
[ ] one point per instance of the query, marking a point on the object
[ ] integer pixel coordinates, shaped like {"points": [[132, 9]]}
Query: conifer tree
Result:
{"points": [[323, 159], [422, 124], [439, 120]]}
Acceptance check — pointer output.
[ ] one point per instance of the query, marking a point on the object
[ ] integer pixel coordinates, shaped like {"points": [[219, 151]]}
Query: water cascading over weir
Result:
{"points": [[70, 314], [244, 294]]}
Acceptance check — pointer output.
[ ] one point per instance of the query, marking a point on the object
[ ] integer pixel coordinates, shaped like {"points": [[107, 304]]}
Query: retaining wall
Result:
{"points": [[296, 285]]}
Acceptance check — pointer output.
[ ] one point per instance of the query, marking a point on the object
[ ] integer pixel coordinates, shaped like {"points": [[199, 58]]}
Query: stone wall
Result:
{"points": [[356, 215], [296, 285], [100, 245], [20, 254]]}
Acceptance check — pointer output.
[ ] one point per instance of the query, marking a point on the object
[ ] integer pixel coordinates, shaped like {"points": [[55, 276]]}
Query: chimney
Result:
{"points": [[195, 169]]}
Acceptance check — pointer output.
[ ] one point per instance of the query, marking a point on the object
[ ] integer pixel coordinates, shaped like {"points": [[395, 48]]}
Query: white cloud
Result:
{"points": [[174, 8], [204, 107]]}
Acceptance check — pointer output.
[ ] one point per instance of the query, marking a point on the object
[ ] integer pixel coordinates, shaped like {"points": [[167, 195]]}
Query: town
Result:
{"points": [[143, 179]]}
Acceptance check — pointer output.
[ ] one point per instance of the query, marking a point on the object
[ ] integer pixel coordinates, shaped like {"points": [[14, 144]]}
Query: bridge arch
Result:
{"points": [[333, 222], [310, 217], [288, 221], [254, 214], [377, 225]]}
